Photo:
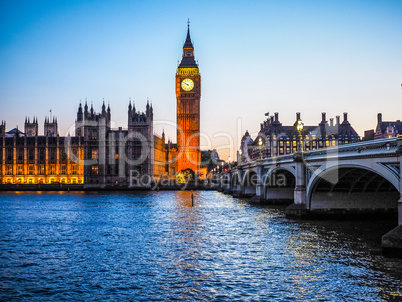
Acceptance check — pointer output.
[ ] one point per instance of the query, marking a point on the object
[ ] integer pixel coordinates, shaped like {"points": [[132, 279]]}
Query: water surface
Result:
{"points": [[147, 246]]}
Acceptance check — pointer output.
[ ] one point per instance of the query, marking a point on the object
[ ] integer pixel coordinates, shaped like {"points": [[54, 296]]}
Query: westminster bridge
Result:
{"points": [[363, 177]]}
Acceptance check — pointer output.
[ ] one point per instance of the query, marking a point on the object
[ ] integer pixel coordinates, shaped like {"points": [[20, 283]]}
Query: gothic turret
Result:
{"points": [[31, 129], [103, 108], [79, 114], [50, 127], [3, 128]]}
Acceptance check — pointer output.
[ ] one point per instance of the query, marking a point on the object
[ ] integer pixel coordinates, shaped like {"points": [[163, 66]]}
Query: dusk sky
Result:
{"points": [[254, 57]]}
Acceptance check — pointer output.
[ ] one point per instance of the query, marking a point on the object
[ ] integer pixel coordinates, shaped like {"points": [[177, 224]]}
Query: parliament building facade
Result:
{"points": [[97, 155]]}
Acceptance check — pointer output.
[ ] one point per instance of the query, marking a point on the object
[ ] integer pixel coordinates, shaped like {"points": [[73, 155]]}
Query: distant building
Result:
{"points": [[97, 155], [209, 161], [28, 158], [275, 139], [387, 129], [113, 156]]}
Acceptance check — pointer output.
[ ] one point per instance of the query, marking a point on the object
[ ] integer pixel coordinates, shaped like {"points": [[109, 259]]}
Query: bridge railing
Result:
{"points": [[378, 146]]}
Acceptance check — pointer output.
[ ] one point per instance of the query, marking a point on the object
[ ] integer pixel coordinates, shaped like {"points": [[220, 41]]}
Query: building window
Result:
{"points": [[333, 143], [94, 154], [41, 154], [10, 154], [42, 169], [9, 170], [20, 170], [31, 154], [74, 169], [21, 155], [63, 169], [327, 143], [30, 169], [52, 169], [94, 170]]}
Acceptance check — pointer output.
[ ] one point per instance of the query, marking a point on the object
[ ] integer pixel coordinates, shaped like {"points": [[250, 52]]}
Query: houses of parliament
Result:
{"points": [[98, 155]]}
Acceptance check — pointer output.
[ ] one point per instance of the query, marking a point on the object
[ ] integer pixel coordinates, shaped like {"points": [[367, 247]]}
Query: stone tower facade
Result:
{"points": [[188, 95], [31, 129]]}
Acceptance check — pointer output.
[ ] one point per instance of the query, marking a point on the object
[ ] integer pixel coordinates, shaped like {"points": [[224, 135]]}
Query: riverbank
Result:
{"points": [[80, 187]]}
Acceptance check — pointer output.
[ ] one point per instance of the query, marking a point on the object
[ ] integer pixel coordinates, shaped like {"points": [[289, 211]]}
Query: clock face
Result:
{"points": [[187, 84]]}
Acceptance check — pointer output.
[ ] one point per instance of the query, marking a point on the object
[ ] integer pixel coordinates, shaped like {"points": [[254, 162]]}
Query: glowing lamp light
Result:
{"points": [[299, 126]]}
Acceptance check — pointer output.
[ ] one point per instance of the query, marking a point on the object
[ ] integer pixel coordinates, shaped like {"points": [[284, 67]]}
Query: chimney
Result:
{"points": [[323, 116], [331, 122], [345, 116], [338, 120], [297, 116], [379, 118], [276, 116]]}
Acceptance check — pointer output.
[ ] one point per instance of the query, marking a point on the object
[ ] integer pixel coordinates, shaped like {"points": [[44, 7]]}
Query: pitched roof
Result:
{"points": [[188, 43]]}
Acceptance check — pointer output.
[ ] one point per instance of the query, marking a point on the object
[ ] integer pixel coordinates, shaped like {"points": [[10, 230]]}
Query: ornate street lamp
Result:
{"points": [[260, 143], [299, 128]]}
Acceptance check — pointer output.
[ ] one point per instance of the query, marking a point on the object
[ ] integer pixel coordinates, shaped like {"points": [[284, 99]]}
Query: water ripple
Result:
{"points": [[153, 246]]}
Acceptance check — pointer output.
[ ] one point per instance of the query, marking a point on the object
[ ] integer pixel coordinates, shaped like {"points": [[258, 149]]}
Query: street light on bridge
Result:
{"points": [[260, 143], [299, 128]]}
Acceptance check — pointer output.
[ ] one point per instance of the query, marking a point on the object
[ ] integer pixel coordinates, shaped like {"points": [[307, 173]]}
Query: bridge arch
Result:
{"points": [[278, 185], [352, 186], [225, 182], [249, 183], [235, 182]]}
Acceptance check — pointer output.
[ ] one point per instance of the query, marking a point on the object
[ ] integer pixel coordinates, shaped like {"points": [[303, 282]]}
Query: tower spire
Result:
{"points": [[188, 51]]}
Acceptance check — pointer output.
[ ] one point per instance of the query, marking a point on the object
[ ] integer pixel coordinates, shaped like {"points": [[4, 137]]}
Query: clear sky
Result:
{"points": [[254, 57]]}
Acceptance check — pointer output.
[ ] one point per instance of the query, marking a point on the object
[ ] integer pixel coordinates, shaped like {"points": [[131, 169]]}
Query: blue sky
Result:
{"points": [[254, 57]]}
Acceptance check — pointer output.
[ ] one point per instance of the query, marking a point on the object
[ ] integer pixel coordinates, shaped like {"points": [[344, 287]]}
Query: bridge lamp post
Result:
{"points": [[260, 144], [222, 166], [299, 128], [240, 156]]}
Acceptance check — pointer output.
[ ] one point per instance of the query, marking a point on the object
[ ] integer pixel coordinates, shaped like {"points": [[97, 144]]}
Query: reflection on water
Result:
{"points": [[157, 246]]}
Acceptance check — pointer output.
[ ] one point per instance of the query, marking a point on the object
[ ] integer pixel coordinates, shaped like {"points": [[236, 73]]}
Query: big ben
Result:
{"points": [[188, 95]]}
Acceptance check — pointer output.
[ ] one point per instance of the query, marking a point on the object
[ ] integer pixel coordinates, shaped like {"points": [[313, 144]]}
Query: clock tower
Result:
{"points": [[188, 95]]}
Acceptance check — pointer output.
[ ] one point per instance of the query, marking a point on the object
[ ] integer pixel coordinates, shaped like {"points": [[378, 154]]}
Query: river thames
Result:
{"points": [[153, 246]]}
